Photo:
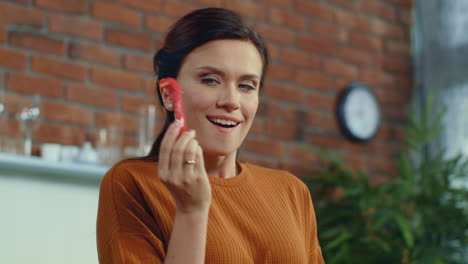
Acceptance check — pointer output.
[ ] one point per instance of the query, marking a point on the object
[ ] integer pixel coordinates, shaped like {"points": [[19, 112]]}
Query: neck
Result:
{"points": [[221, 166]]}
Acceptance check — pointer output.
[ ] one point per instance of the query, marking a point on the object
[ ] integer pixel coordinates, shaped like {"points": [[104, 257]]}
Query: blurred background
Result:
{"points": [[77, 94]]}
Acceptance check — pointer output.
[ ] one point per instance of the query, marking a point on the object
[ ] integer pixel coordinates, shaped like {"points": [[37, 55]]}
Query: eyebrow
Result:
{"points": [[220, 72]]}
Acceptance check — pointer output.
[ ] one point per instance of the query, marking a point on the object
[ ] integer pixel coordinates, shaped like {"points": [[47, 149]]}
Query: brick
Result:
{"points": [[11, 127], [22, 1], [68, 6], [299, 58], [279, 3], [37, 42], [405, 3], [275, 34], [139, 63], [285, 93], [365, 42], [405, 17], [297, 153], [400, 48], [392, 96], [115, 79], [130, 39], [80, 93], [12, 58], [176, 9], [345, 3], [395, 65], [115, 13], [158, 24], [326, 122], [106, 119], [265, 147], [381, 28], [287, 18], [373, 77], [394, 113], [354, 55], [280, 130], [95, 53], [321, 46], [66, 112], [379, 9], [210, 3], [313, 80], [328, 141], [133, 104], [341, 69], [346, 18], [247, 8], [149, 87], [329, 31], [3, 33], [145, 5], [13, 14], [279, 71], [315, 10], [28, 84], [76, 27], [59, 68], [257, 127], [60, 134], [378, 164], [273, 51], [357, 162], [321, 101]]}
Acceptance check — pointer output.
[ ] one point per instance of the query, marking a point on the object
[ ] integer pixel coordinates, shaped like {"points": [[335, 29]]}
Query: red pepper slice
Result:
{"points": [[175, 93]]}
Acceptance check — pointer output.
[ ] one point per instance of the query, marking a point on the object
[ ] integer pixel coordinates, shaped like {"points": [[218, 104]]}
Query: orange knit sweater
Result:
{"points": [[259, 216]]}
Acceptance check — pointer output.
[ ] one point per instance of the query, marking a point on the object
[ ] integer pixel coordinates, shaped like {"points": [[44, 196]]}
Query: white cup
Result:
{"points": [[50, 151]]}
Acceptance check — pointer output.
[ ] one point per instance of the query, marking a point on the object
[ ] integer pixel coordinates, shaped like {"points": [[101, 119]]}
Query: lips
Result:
{"points": [[226, 122]]}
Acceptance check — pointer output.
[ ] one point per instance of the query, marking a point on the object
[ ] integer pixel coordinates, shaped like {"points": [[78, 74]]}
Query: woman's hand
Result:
{"points": [[182, 169]]}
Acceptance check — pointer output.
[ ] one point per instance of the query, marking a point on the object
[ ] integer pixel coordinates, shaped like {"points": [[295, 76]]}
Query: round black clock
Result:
{"points": [[358, 112]]}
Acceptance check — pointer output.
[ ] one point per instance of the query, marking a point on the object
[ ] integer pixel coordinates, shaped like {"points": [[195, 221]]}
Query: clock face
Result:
{"points": [[358, 113]]}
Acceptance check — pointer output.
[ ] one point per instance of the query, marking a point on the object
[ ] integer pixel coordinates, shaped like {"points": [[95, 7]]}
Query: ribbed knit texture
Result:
{"points": [[259, 216]]}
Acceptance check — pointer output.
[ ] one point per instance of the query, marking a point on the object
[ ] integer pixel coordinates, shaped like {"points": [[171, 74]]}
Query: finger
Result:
{"points": [[177, 155], [199, 160], [190, 154], [167, 145]]}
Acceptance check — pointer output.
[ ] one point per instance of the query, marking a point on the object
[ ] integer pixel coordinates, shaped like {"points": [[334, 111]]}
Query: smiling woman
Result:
{"points": [[189, 200]]}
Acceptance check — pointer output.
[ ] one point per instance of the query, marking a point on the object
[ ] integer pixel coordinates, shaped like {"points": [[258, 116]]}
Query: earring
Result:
{"points": [[169, 106]]}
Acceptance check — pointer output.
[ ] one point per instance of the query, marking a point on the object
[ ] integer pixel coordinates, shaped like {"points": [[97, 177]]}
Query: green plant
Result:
{"points": [[417, 217]]}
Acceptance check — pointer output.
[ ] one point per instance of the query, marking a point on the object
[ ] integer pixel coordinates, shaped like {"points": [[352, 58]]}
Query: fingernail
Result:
{"points": [[193, 132], [177, 122]]}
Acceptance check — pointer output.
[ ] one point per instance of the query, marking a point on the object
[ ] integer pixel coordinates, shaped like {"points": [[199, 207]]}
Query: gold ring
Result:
{"points": [[189, 162]]}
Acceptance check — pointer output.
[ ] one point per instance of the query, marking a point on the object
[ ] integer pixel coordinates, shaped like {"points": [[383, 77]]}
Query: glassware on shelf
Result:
{"points": [[29, 115], [146, 128], [2, 119], [109, 145]]}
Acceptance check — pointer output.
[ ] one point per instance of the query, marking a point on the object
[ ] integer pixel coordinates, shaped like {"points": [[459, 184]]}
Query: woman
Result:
{"points": [[189, 200]]}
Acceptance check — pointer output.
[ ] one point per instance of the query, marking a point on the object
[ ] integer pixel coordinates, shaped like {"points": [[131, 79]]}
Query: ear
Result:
{"points": [[166, 97]]}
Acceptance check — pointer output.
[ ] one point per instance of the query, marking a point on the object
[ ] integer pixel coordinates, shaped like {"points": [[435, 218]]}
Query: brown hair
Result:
{"points": [[190, 32]]}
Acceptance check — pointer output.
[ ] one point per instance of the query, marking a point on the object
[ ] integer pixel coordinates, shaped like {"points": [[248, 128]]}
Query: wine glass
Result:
{"points": [[29, 116], [2, 117]]}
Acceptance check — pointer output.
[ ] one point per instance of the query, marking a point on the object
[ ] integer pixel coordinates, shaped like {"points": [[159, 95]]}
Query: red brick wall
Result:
{"points": [[91, 61]]}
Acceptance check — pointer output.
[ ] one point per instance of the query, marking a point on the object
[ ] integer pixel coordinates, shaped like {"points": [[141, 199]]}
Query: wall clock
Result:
{"points": [[358, 112]]}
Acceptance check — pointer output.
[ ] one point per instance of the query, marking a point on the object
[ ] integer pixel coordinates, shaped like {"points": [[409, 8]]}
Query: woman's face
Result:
{"points": [[220, 81]]}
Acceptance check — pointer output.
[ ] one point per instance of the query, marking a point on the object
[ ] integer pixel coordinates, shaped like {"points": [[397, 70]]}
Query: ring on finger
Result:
{"points": [[189, 162]]}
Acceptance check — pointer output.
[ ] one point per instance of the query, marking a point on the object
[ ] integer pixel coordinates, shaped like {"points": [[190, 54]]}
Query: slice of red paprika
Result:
{"points": [[175, 93]]}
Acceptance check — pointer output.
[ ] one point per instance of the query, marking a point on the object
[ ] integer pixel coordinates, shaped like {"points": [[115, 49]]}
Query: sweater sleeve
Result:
{"points": [[125, 230], [315, 252]]}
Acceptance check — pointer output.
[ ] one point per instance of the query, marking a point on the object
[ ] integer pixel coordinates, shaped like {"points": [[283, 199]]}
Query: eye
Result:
{"points": [[209, 81], [248, 86]]}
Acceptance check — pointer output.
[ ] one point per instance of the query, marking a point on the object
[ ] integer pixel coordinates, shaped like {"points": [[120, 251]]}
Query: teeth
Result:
{"points": [[224, 122]]}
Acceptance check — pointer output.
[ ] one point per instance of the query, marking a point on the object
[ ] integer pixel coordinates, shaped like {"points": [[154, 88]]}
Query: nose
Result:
{"points": [[229, 98]]}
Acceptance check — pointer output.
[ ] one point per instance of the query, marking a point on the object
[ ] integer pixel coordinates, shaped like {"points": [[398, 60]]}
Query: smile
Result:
{"points": [[223, 122]]}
